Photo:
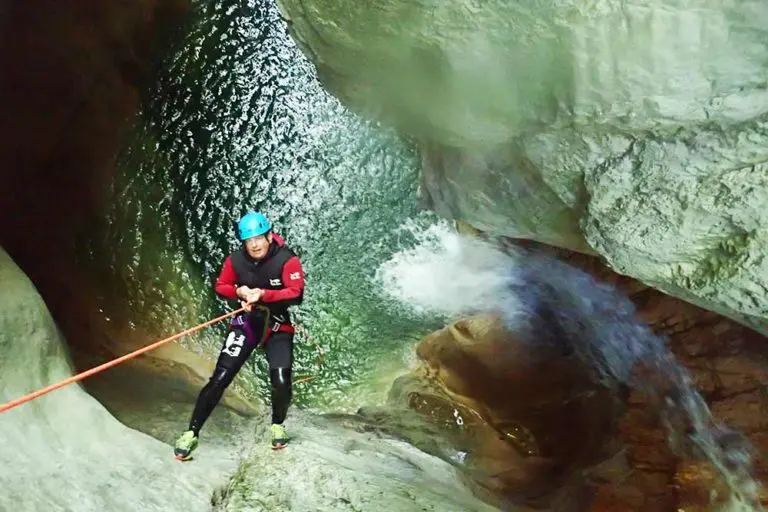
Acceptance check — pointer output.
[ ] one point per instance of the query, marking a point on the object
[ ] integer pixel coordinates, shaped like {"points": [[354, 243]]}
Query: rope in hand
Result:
{"points": [[131, 355]]}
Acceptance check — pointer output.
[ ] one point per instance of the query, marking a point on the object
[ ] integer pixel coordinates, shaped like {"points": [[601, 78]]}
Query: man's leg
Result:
{"points": [[235, 351], [280, 358]]}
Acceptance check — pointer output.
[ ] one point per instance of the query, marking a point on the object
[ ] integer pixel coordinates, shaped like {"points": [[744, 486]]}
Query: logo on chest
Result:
{"points": [[275, 282]]}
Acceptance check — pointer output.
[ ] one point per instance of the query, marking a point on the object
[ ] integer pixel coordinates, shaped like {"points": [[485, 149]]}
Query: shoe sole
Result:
{"points": [[182, 457], [279, 446]]}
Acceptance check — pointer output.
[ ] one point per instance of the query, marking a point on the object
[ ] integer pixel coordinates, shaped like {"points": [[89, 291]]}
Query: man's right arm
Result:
{"points": [[225, 285]]}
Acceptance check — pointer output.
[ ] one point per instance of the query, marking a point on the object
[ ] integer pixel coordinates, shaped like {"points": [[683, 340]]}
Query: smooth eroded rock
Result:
{"points": [[64, 451], [637, 130], [332, 465], [527, 424]]}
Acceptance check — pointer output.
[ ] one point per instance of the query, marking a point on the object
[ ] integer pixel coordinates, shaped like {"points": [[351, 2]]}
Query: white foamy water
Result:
{"points": [[448, 274]]}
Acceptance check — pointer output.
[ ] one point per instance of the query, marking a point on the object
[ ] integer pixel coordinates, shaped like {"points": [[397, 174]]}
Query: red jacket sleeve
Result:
{"points": [[293, 283], [225, 284]]}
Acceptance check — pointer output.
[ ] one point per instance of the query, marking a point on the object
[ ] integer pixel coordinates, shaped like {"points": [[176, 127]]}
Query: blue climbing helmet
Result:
{"points": [[253, 224]]}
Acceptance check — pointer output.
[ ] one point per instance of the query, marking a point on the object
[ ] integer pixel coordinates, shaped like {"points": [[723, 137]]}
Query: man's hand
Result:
{"points": [[242, 292], [249, 296], [254, 295]]}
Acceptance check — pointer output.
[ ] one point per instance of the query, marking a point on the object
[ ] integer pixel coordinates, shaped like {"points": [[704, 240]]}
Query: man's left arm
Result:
{"points": [[293, 285]]}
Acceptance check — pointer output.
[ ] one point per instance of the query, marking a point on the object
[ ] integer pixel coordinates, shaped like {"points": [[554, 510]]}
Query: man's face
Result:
{"points": [[257, 246]]}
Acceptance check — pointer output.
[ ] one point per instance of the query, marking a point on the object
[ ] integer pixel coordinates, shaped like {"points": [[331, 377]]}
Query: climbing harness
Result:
{"points": [[148, 348]]}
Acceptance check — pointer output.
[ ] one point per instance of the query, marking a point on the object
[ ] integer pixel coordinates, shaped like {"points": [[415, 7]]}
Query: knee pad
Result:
{"points": [[221, 378], [280, 379], [282, 391]]}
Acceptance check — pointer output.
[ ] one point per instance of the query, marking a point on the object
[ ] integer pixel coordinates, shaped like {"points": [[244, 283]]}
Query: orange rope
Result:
{"points": [[122, 359]]}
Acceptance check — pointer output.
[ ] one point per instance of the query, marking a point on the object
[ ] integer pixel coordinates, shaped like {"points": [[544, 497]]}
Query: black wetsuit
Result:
{"points": [[267, 325]]}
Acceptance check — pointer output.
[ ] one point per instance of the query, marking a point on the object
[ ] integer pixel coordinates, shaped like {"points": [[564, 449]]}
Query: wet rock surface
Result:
{"points": [[632, 130], [531, 428], [636, 469], [65, 450], [72, 81], [336, 464], [729, 364]]}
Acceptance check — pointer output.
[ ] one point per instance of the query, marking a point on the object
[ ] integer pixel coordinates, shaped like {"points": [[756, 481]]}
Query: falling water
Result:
{"points": [[558, 307]]}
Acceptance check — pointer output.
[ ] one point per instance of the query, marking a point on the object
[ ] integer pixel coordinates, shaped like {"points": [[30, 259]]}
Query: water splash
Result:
{"points": [[549, 303]]}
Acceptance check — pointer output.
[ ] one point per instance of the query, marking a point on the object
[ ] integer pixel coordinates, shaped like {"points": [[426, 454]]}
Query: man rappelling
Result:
{"points": [[267, 277]]}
